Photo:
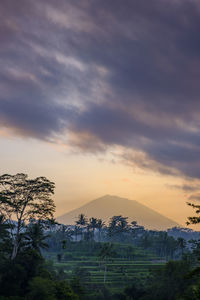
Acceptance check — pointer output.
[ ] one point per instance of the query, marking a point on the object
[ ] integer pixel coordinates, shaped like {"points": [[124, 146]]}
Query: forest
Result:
{"points": [[42, 259]]}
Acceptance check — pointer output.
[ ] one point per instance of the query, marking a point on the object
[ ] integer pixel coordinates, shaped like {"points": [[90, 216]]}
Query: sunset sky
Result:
{"points": [[103, 97]]}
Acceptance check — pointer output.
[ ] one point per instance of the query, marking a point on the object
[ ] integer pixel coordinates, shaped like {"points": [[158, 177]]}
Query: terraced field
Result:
{"points": [[129, 264]]}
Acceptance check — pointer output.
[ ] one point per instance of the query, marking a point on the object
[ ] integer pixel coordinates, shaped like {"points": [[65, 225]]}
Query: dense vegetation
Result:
{"points": [[41, 259]]}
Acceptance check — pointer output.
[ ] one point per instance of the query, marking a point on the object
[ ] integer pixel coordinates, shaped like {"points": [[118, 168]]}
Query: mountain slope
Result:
{"points": [[108, 206]]}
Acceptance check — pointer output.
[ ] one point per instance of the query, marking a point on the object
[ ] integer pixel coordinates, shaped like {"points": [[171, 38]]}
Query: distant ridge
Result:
{"points": [[108, 206]]}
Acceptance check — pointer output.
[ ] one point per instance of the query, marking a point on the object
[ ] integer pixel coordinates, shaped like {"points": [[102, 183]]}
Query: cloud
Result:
{"points": [[140, 160], [185, 187], [102, 74], [195, 197]]}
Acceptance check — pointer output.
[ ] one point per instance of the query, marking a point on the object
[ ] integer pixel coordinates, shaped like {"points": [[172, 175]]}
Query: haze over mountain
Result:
{"points": [[108, 206]]}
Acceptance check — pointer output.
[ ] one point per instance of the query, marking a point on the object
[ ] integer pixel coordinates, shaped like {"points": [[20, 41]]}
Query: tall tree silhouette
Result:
{"points": [[25, 199]]}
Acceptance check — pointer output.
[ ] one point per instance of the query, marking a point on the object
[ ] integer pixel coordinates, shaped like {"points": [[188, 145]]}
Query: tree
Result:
{"points": [[118, 225], [35, 237], [64, 291], [82, 221], [181, 244], [76, 231], [136, 229], [170, 281], [195, 219], [64, 235], [93, 225], [195, 243], [105, 254], [5, 244], [134, 292], [145, 241], [100, 225], [44, 288], [3, 228], [165, 245], [23, 199]]}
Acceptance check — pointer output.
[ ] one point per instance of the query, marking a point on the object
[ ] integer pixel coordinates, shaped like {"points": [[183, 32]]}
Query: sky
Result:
{"points": [[103, 97]]}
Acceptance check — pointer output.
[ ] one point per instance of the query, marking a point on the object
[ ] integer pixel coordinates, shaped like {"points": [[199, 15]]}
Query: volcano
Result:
{"points": [[107, 206]]}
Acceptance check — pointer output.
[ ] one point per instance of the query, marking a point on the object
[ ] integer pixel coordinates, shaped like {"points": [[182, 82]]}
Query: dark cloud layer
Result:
{"points": [[105, 73]]}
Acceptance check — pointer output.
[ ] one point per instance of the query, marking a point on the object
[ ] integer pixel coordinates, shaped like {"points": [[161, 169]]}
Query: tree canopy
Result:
{"points": [[23, 200]]}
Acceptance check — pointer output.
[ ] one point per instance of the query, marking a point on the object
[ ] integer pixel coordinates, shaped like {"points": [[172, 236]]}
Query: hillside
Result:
{"points": [[108, 206]]}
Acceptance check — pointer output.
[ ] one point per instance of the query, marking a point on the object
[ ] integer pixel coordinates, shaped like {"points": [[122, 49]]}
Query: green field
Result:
{"points": [[81, 260]]}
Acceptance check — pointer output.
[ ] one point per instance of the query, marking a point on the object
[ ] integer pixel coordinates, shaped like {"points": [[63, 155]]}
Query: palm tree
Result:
{"points": [[93, 224], [100, 225], [106, 254], [123, 224], [112, 227], [82, 221], [35, 237], [118, 225]]}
